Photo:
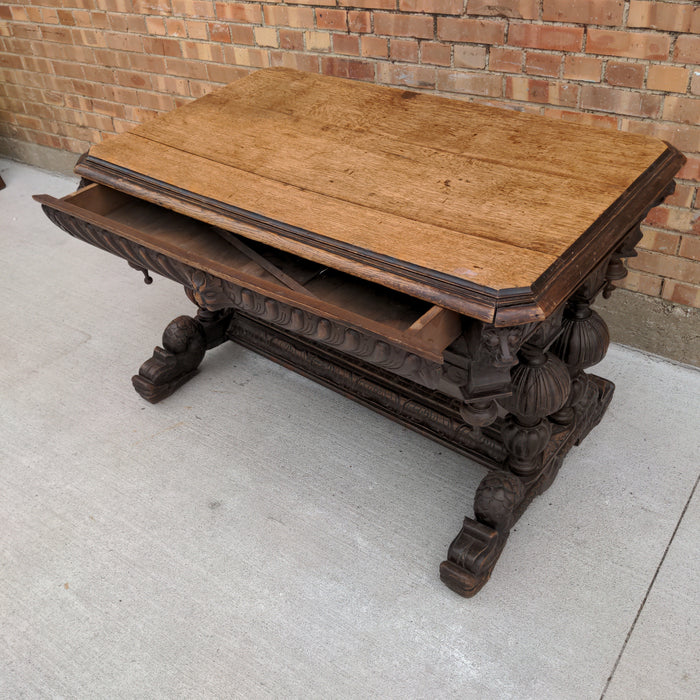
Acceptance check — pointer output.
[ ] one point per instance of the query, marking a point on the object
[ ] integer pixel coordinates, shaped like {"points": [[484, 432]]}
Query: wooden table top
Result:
{"points": [[491, 212]]}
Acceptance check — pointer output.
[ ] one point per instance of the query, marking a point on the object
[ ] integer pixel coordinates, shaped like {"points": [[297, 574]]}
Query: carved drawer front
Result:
{"points": [[407, 322]]}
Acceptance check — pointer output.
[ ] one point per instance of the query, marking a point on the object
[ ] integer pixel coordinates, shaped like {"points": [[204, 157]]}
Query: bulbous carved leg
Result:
{"points": [[185, 341], [541, 387], [583, 342]]}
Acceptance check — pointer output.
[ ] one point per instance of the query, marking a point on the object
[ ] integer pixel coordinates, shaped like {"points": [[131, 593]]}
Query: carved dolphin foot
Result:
{"points": [[185, 341], [475, 551]]}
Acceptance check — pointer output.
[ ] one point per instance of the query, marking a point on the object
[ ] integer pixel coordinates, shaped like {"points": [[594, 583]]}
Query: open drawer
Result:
{"points": [[410, 323]]}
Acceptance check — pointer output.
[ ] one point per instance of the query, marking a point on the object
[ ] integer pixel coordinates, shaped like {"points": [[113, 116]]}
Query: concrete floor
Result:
{"points": [[258, 536]]}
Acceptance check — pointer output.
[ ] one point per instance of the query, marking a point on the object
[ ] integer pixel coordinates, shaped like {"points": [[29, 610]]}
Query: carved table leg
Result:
{"points": [[185, 341], [540, 385]]}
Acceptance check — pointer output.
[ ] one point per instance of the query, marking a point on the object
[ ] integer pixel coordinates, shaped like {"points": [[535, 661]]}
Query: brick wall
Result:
{"points": [[72, 71]]}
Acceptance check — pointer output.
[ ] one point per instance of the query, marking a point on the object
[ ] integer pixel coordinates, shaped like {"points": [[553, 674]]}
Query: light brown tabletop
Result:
{"points": [[408, 189]]}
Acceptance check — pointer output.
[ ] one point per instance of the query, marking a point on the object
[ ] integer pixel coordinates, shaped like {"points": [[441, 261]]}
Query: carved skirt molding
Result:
{"points": [[514, 399]]}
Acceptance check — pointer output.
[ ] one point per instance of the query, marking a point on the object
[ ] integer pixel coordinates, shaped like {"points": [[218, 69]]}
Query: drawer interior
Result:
{"points": [[405, 320]]}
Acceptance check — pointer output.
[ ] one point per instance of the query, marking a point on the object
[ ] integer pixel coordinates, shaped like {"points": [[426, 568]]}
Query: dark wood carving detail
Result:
{"points": [[137, 256], [185, 341], [214, 294], [616, 269], [432, 414], [173, 364], [210, 293]]}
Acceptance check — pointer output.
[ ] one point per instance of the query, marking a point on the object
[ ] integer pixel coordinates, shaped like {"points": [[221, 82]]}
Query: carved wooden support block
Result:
{"points": [[185, 341], [475, 551]]}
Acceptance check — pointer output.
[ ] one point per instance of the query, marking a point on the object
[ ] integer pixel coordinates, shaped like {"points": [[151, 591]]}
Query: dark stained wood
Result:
{"points": [[432, 259]]}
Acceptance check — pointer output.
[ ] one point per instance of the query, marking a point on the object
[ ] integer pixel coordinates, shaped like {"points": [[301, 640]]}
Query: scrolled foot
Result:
{"points": [[475, 551], [184, 346]]}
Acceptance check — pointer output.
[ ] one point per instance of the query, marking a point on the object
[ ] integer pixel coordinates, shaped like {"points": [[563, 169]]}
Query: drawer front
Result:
{"points": [[179, 247]]}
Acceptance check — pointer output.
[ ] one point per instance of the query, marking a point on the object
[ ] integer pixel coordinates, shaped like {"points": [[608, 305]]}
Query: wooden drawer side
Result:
{"points": [[401, 319]]}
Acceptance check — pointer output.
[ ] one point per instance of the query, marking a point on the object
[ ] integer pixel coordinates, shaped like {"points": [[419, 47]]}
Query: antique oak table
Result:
{"points": [[433, 259]]}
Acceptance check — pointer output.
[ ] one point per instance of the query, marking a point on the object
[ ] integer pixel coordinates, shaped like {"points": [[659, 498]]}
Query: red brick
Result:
{"points": [[298, 61], [267, 36], [674, 218], [318, 41], [166, 47], [300, 17], [332, 19], [243, 34], [516, 9], [668, 16], [347, 44], [144, 62], [219, 32], [201, 51], [600, 120], [359, 22], [536, 36], [63, 35], [403, 50], [690, 248], [245, 56], [415, 26], [347, 68], [543, 64], [369, 4], [682, 109], [624, 74], [65, 17], [682, 197], [691, 169], [469, 56], [505, 60], [541, 91], [695, 83], [293, 40], [667, 78], [409, 76], [195, 30], [683, 136], [475, 31], [435, 53], [607, 99], [667, 266], [173, 86], [124, 42], [437, 7], [374, 47], [583, 68], [188, 69], [197, 89], [193, 8], [659, 241], [239, 12], [606, 12], [152, 7], [628, 44], [156, 26], [687, 49], [225, 74], [641, 282], [469, 83], [679, 293]]}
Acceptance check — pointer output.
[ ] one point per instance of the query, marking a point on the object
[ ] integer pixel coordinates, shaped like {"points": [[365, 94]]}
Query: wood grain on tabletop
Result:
{"points": [[488, 196]]}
